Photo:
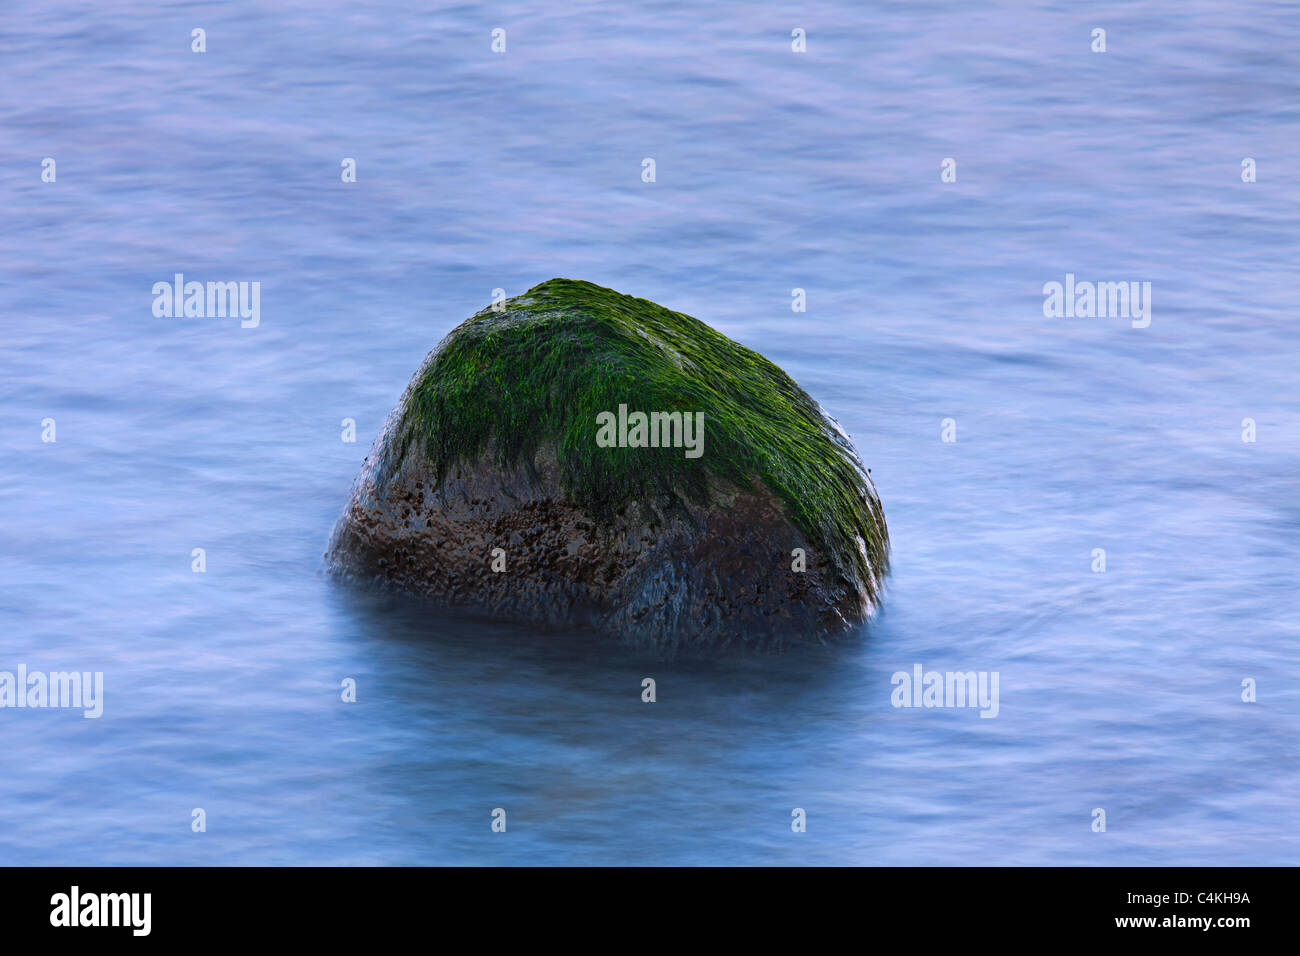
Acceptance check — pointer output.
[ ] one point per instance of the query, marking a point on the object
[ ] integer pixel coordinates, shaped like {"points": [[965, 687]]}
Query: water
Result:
{"points": [[775, 170]]}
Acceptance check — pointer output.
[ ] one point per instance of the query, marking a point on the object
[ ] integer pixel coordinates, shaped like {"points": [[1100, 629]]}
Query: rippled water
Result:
{"points": [[775, 170]]}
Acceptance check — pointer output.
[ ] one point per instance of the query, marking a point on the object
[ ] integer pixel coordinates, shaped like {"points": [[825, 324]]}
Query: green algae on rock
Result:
{"points": [[494, 445]]}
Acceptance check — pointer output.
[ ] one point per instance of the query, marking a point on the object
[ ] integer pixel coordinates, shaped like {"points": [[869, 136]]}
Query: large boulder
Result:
{"points": [[516, 477]]}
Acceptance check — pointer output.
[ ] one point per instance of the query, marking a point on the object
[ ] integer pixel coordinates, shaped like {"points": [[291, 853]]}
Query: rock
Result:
{"points": [[499, 456]]}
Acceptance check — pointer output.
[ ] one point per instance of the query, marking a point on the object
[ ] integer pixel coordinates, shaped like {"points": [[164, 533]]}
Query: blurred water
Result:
{"points": [[775, 170]]}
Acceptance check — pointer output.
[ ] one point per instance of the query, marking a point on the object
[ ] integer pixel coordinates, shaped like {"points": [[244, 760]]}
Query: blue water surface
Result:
{"points": [[775, 170]]}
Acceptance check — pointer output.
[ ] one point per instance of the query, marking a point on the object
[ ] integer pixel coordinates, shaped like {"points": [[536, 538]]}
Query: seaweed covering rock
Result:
{"points": [[574, 455]]}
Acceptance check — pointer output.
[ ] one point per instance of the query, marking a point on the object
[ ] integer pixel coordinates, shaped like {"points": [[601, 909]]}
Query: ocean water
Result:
{"points": [[775, 170]]}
